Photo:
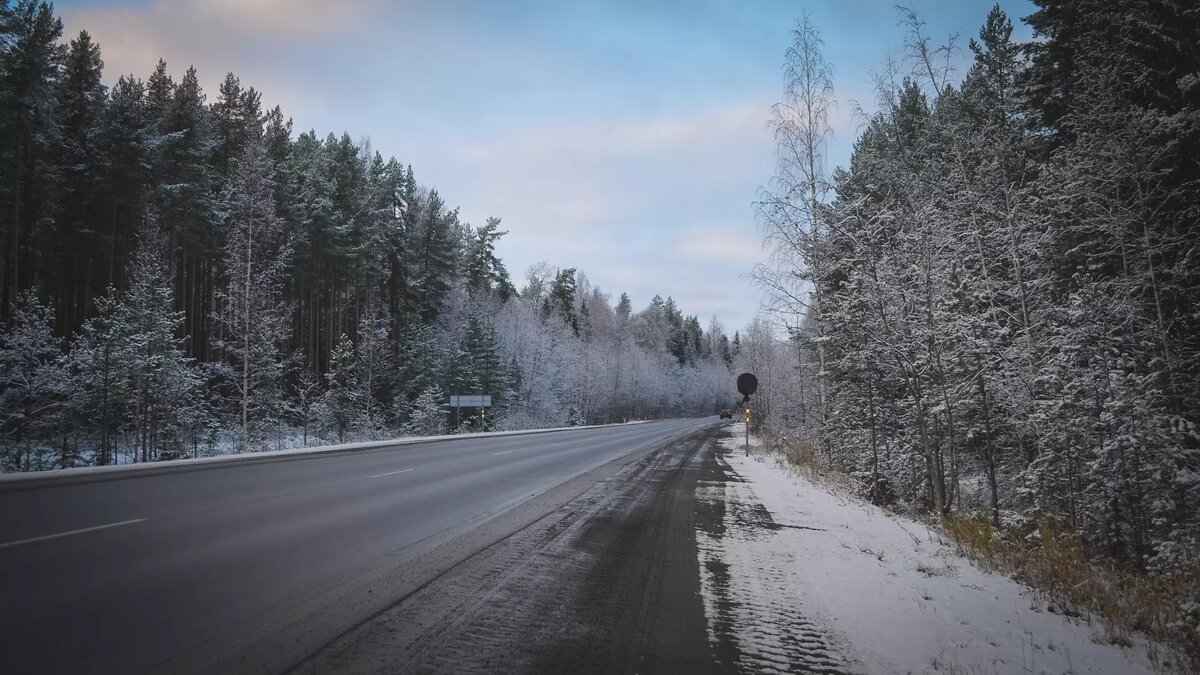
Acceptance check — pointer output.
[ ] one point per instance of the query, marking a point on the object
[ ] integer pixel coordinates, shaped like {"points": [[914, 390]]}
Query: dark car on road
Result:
{"points": [[726, 415]]}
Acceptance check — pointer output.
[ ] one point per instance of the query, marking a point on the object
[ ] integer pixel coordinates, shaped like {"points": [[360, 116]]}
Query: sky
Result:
{"points": [[625, 138]]}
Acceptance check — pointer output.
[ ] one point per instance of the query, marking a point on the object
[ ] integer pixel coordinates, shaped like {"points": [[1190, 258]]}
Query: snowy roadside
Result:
{"points": [[53, 474], [799, 576]]}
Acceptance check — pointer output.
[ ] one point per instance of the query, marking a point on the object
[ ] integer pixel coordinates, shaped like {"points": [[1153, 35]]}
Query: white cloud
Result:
{"points": [[249, 37], [733, 243], [647, 205]]}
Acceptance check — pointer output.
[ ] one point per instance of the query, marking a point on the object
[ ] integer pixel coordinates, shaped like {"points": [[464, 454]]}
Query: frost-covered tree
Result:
{"points": [[161, 380], [100, 359], [305, 400], [255, 314], [428, 414], [789, 207], [343, 406], [33, 384], [1002, 284]]}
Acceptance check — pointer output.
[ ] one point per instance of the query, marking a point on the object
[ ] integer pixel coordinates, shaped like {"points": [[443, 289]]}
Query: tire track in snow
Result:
{"points": [[755, 621]]}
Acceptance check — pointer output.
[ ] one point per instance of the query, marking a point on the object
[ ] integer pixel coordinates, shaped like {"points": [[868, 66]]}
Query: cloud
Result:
{"points": [[658, 204], [678, 135], [215, 22], [732, 243], [278, 19], [255, 38], [601, 174]]}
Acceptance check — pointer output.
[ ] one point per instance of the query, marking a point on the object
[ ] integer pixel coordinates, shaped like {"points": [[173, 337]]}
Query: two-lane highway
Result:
{"points": [[197, 568]]}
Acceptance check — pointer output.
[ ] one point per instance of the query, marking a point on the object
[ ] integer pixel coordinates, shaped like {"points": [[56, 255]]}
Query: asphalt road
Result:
{"points": [[254, 567], [607, 583]]}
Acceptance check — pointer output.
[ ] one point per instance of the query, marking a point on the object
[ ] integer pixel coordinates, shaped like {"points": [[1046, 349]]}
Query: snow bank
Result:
{"points": [[815, 579]]}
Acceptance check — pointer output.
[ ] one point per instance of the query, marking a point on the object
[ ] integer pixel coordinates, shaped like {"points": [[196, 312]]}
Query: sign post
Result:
{"points": [[747, 445], [747, 384], [481, 401]]}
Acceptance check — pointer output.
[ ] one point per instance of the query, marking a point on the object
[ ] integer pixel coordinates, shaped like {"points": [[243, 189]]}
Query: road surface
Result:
{"points": [[268, 567]]}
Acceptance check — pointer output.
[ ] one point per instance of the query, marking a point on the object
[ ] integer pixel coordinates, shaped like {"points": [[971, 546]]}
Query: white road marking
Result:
{"points": [[391, 473], [71, 532], [505, 452]]}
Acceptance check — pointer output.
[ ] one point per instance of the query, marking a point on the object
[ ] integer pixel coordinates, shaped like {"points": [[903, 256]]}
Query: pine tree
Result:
{"points": [[185, 201], [560, 301], [81, 165], [484, 271], [126, 141], [29, 74]]}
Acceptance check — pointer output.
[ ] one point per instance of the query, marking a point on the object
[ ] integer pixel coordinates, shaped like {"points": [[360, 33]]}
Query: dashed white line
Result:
{"points": [[71, 532], [391, 473], [503, 452]]}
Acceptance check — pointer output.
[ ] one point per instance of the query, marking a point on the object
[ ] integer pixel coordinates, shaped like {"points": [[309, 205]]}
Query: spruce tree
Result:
{"points": [[33, 384], [343, 402], [255, 314]]}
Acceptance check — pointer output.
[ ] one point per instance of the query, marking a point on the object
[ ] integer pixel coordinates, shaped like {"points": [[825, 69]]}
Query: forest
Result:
{"points": [[182, 278], [994, 309]]}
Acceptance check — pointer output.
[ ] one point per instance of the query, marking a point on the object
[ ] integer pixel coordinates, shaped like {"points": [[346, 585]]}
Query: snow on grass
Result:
{"points": [[831, 581]]}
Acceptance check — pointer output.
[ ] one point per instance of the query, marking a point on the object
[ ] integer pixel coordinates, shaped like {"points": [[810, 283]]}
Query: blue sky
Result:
{"points": [[624, 138]]}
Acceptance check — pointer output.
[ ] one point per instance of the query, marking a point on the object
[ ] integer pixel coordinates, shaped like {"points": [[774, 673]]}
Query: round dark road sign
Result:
{"points": [[747, 384]]}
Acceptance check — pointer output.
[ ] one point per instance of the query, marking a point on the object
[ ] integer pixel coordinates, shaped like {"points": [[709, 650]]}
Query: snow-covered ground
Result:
{"points": [[800, 576]]}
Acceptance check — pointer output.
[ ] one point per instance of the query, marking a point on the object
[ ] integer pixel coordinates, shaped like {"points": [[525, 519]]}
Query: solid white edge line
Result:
{"points": [[71, 532], [391, 473]]}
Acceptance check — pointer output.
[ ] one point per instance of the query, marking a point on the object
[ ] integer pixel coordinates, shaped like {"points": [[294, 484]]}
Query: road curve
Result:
{"points": [[251, 567]]}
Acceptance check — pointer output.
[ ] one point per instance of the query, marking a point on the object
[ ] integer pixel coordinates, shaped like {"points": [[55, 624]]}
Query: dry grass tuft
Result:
{"points": [[1056, 565]]}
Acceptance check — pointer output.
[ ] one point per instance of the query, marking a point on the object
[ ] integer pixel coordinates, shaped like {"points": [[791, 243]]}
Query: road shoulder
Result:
{"points": [[888, 593]]}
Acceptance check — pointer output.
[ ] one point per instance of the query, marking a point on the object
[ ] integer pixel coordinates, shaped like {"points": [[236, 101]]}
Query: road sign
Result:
{"points": [[470, 401], [747, 384]]}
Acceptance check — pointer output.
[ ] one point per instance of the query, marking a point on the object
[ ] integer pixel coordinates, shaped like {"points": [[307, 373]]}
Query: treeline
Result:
{"points": [[997, 303], [181, 278]]}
